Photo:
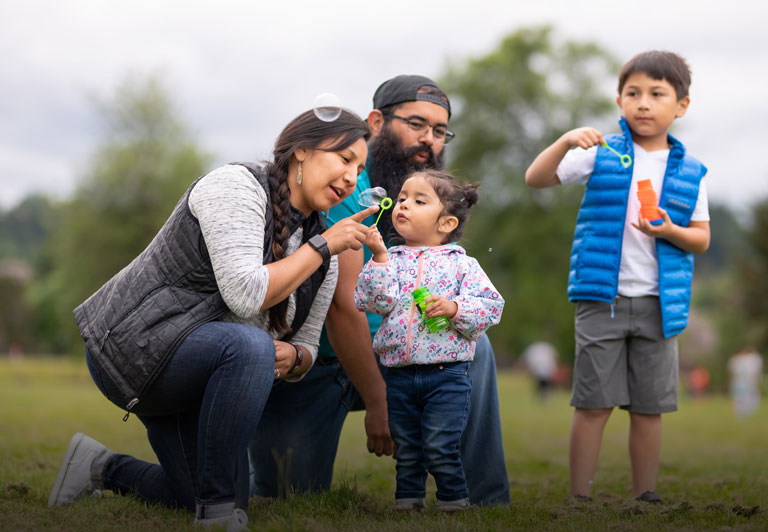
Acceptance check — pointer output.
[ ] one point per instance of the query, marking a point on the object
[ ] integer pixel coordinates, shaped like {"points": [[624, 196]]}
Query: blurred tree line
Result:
{"points": [[135, 177], [508, 106]]}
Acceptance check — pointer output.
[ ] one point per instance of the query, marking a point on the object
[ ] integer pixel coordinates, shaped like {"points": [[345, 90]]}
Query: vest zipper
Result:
{"points": [[104, 338], [613, 306], [133, 402], [410, 318]]}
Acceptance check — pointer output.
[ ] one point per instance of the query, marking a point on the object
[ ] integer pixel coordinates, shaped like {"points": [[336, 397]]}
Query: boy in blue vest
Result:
{"points": [[630, 279]]}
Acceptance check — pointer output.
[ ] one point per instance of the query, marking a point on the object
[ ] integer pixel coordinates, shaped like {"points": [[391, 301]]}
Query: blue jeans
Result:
{"points": [[428, 407], [306, 418], [200, 413], [295, 444], [482, 448]]}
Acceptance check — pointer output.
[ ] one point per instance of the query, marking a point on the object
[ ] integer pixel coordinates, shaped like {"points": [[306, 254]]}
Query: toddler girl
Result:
{"points": [[427, 373]]}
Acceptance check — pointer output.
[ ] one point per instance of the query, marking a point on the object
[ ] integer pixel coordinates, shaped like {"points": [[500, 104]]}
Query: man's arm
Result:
{"points": [[347, 330]]}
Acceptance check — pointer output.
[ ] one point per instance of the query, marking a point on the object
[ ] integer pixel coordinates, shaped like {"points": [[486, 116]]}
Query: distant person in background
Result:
{"points": [[15, 351], [698, 381], [745, 377], [228, 298], [541, 359]]}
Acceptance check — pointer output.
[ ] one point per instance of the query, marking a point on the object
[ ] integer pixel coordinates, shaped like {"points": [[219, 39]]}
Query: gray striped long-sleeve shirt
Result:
{"points": [[230, 206]]}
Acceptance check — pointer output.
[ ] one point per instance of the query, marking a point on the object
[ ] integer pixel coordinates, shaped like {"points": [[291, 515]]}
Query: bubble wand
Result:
{"points": [[626, 160], [375, 196], [385, 204]]}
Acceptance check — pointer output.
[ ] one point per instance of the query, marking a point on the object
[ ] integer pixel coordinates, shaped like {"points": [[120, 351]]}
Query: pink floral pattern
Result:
{"points": [[447, 271]]}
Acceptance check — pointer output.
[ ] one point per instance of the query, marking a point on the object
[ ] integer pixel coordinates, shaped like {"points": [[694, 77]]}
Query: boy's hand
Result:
{"points": [[656, 231], [583, 137], [543, 170], [440, 306], [376, 244]]}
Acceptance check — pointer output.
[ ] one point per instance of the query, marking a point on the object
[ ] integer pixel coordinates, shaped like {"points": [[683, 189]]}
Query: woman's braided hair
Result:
{"points": [[309, 132]]}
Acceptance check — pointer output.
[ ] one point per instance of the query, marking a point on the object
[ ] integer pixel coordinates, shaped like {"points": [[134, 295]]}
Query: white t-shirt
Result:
{"points": [[639, 272]]}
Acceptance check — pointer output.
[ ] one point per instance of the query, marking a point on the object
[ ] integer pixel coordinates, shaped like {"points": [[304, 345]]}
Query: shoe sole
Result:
{"points": [[413, 509], [451, 509], [65, 463]]}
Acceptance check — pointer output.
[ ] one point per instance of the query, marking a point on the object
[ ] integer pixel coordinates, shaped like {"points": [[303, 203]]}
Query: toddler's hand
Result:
{"points": [[583, 137], [375, 243], [440, 306]]}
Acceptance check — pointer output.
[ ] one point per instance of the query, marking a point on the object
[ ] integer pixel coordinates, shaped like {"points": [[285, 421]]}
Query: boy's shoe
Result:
{"points": [[452, 506], [577, 499], [650, 497], [237, 521], [81, 470], [410, 505]]}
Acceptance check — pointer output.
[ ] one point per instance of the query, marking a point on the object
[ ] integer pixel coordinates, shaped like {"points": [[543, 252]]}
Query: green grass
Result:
{"points": [[714, 470]]}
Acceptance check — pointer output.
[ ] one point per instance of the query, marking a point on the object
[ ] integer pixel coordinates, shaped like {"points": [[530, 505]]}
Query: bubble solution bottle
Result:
{"points": [[648, 202], [435, 324]]}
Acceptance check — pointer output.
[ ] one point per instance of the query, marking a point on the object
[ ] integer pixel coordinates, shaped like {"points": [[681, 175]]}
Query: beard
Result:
{"points": [[389, 164]]}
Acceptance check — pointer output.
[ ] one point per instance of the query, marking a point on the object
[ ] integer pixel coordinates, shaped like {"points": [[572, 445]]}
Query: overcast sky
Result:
{"points": [[240, 70]]}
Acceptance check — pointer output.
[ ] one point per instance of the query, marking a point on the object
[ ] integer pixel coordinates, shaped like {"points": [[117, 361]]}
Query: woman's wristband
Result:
{"points": [[299, 360]]}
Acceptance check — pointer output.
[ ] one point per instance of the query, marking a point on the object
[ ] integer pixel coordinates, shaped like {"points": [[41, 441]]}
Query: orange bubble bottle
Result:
{"points": [[648, 203]]}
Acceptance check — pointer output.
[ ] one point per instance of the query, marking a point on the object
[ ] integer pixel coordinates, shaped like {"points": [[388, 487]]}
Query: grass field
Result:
{"points": [[714, 471]]}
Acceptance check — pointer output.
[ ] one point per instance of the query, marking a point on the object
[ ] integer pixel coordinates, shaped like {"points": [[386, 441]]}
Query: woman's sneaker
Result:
{"points": [[650, 497], [81, 471]]}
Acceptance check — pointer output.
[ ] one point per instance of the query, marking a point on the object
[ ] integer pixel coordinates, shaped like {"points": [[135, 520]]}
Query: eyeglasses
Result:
{"points": [[421, 126]]}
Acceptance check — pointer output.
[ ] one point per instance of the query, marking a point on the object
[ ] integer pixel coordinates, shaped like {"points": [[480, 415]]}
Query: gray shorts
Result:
{"points": [[624, 360]]}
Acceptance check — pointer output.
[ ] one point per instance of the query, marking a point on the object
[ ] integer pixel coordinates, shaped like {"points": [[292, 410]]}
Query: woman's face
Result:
{"points": [[327, 176]]}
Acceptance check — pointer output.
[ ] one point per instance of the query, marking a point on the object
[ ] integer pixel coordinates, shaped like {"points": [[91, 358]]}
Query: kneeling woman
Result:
{"points": [[230, 295]]}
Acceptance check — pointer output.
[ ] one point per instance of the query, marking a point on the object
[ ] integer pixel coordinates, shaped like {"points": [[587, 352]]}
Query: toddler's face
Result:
{"points": [[417, 212]]}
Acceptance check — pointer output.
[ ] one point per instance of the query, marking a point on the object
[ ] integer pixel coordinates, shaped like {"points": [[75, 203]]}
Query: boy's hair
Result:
{"points": [[456, 198], [659, 65]]}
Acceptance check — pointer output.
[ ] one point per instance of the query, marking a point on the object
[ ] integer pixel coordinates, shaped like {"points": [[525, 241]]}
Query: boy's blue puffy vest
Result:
{"points": [[596, 252]]}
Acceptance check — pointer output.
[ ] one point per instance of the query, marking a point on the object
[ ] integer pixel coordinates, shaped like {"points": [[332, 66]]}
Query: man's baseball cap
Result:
{"points": [[405, 88]]}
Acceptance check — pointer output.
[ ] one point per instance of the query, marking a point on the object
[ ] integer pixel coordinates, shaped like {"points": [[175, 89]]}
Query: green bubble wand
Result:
{"points": [[375, 196], [626, 160], [385, 204]]}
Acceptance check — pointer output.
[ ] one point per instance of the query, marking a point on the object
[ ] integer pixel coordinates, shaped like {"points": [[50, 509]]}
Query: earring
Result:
{"points": [[298, 177]]}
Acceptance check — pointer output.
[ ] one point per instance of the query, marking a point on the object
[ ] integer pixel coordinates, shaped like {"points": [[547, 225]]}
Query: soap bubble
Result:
{"points": [[372, 196], [327, 107]]}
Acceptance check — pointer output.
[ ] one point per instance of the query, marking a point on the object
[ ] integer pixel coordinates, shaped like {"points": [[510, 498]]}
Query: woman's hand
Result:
{"points": [[376, 244], [285, 358], [348, 233], [440, 306]]}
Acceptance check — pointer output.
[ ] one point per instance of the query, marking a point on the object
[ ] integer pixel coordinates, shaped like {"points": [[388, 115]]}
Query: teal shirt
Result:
{"points": [[347, 208]]}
